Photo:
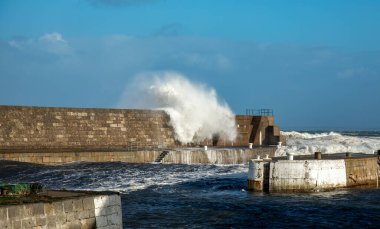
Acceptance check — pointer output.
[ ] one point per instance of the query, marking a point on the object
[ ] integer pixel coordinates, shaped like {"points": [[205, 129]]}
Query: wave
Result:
{"points": [[329, 142], [118, 176]]}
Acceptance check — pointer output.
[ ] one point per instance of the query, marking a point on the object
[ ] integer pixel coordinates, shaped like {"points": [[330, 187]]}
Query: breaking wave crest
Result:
{"points": [[195, 111], [329, 143]]}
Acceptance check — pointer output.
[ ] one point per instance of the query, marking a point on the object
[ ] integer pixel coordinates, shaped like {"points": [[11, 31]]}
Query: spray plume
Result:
{"points": [[194, 109]]}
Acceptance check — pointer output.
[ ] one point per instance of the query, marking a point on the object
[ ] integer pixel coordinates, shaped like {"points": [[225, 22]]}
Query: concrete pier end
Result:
{"points": [[257, 175], [65, 209], [311, 174]]}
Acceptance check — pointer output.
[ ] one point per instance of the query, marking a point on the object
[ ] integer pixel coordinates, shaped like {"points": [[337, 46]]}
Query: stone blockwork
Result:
{"points": [[51, 135], [85, 129], [57, 158], [251, 127], [178, 156], [85, 211]]}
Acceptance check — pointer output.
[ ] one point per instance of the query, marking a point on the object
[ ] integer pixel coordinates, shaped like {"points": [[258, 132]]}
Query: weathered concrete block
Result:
{"points": [[101, 221], [88, 203], [58, 208], [51, 223], [101, 201], [84, 214], [14, 212], [38, 209], [41, 221], [28, 223], [78, 205], [101, 211], [72, 225], [68, 205], [16, 224], [5, 224], [3, 213], [88, 223], [61, 218], [72, 216]]}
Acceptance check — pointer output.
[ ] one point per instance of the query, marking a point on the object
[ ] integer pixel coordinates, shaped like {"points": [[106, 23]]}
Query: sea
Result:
{"points": [[215, 196]]}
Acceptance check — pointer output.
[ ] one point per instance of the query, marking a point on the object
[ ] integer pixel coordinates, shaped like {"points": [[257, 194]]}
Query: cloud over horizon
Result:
{"points": [[285, 77]]}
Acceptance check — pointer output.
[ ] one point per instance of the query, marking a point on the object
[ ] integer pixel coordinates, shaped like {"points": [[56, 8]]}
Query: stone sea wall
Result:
{"points": [[99, 211], [178, 156], [26, 128]]}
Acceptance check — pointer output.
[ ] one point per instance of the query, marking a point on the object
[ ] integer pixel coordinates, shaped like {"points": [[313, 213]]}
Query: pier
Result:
{"points": [[308, 173]]}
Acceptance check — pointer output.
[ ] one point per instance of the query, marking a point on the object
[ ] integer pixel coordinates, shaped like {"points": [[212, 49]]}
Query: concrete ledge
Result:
{"points": [[177, 156]]}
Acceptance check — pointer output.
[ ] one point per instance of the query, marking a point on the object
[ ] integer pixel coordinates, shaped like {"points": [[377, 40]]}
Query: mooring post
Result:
{"points": [[255, 175], [318, 155], [205, 147], [250, 145], [260, 138], [348, 154], [290, 156]]}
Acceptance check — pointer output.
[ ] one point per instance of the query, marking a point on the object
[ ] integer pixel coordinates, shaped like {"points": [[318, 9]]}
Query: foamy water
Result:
{"points": [[196, 113], [121, 177], [328, 143], [202, 196]]}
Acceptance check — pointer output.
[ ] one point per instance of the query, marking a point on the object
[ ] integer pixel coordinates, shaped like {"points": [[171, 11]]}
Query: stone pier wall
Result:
{"points": [[27, 128], [99, 211], [178, 156], [91, 129]]}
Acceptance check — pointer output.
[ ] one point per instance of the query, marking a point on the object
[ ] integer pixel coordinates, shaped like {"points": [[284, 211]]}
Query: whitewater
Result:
{"points": [[304, 143], [215, 196]]}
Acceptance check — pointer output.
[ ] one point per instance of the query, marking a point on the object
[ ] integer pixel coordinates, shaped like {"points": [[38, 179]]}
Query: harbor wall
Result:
{"points": [[91, 129], [178, 156], [313, 175], [100, 211], [27, 128]]}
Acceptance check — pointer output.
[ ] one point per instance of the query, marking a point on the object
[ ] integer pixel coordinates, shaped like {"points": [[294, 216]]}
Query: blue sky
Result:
{"points": [[315, 62]]}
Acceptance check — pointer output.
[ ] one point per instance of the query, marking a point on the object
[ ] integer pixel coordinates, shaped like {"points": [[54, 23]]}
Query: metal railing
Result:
{"points": [[259, 112]]}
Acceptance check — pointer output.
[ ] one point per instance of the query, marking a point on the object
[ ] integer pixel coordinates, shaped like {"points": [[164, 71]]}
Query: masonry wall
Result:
{"points": [[101, 211], [50, 129], [86, 129], [250, 127], [183, 156]]}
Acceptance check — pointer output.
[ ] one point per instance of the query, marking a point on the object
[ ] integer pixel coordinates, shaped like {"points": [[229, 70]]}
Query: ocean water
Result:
{"points": [[303, 143], [213, 196]]}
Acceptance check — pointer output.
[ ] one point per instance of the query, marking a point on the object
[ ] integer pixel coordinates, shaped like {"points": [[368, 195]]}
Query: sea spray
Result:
{"points": [[327, 143], [195, 111]]}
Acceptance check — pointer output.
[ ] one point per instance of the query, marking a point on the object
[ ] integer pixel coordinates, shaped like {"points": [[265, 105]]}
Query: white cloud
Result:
{"points": [[52, 37], [52, 43]]}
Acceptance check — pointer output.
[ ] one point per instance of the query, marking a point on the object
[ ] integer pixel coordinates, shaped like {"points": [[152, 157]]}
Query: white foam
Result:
{"points": [[194, 109], [328, 143], [126, 177]]}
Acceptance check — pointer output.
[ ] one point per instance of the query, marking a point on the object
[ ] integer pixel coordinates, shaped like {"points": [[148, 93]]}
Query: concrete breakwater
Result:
{"points": [[306, 174], [177, 156], [65, 209]]}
